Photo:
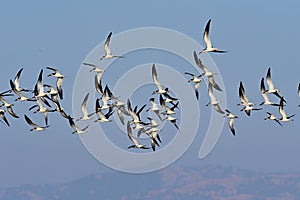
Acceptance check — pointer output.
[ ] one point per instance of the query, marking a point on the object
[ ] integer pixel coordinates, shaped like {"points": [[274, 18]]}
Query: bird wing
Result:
{"points": [[206, 37], [154, 77], [59, 87], [199, 63], [281, 110], [231, 121], [83, 105], [218, 109], [129, 133], [106, 44], [12, 113], [269, 81], [28, 120], [211, 80], [16, 81]]}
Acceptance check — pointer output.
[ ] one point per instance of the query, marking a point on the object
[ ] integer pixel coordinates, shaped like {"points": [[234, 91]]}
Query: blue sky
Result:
{"points": [[257, 34]]}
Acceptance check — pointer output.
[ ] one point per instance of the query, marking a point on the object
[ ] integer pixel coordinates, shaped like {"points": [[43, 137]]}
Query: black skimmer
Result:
{"points": [[206, 72], [168, 110], [159, 90], [136, 119], [213, 101], [2, 115], [248, 106], [209, 47], [39, 89], [134, 140], [231, 117], [96, 69], [271, 86], [77, 130], [196, 80], [17, 83], [41, 109], [102, 117], [273, 117], [108, 54], [54, 96], [59, 80], [35, 126], [154, 108], [85, 115], [265, 95], [284, 117], [118, 104], [8, 106], [21, 96]]}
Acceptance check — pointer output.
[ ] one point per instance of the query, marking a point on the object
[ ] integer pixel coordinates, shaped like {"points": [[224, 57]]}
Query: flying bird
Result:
{"points": [[8, 106], [196, 80], [85, 115], [59, 80], [154, 108], [265, 95], [213, 101], [159, 90], [35, 126], [206, 72], [209, 47], [248, 106], [273, 117], [2, 115], [108, 54], [136, 144], [231, 117], [96, 69], [77, 130], [272, 89], [284, 117]]}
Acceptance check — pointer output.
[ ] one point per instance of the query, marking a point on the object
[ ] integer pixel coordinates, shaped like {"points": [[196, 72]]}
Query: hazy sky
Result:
{"points": [[36, 34]]}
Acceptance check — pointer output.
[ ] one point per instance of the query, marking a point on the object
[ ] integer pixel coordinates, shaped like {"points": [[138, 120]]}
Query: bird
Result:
{"points": [[159, 90], [59, 80], [209, 47], [102, 117], [35, 126], [8, 106], [154, 108], [206, 72], [119, 105], [39, 89], [248, 106], [108, 54], [231, 117], [2, 115], [77, 130], [21, 96], [136, 144], [54, 96], [168, 111], [41, 109], [136, 119], [265, 95], [272, 89], [17, 83], [96, 69], [272, 117], [196, 80], [85, 115], [213, 101], [172, 119], [284, 117]]}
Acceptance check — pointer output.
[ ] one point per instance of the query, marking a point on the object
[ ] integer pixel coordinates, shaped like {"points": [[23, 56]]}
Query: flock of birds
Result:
{"points": [[47, 98]]}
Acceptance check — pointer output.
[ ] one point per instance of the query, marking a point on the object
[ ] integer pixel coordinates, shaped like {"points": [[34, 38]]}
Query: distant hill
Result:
{"points": [[208, 183]]}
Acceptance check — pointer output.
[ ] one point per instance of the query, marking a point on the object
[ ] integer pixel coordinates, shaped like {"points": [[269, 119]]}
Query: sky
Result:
{"points": [[257, 35]]}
